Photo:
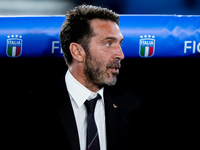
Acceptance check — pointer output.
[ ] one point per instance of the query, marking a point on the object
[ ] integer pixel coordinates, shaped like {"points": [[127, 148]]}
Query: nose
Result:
{"points": [[119, 53]]}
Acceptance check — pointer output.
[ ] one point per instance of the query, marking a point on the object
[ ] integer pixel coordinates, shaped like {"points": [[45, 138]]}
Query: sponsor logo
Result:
{"points": [[147, 46], [14, 45]]}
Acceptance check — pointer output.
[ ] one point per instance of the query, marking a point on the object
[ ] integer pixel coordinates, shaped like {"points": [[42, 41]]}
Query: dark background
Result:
{"points": [[168, 88]]}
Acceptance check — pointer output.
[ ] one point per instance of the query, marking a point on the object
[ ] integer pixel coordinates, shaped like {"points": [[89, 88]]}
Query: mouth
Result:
{"points": [[114, 70], [114, 67]]}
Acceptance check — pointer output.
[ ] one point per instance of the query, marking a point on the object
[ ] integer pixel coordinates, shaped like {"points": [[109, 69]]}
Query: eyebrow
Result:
{"points": [[111, 38]]}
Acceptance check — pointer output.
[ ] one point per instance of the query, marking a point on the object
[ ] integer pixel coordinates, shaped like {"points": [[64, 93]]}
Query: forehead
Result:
{"points": [[104, 28]]}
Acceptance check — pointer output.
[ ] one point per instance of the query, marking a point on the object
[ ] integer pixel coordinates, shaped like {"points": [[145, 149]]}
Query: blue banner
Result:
{"points": [[145, 36]]}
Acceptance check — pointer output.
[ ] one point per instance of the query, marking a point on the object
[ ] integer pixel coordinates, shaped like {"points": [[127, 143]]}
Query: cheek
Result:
{"points": [[100, 56], [101, 64]]}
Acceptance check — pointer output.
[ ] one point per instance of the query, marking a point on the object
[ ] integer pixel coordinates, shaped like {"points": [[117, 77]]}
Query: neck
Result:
{"points": [[78, 74]]}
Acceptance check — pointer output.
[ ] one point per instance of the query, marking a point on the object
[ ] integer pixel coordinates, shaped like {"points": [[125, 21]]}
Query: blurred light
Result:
{"points": [[34, 7]]}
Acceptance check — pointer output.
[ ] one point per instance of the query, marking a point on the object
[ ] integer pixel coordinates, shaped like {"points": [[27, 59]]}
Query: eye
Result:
{"points": [[121, 43], [108, 44]]}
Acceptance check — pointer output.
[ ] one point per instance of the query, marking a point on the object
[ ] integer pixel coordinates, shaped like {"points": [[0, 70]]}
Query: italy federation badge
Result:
{"points": [[14, 45], [147, 46]]}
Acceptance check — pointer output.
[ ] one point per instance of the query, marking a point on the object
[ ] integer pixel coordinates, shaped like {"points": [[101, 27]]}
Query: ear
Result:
{"points": [[77, 52]]}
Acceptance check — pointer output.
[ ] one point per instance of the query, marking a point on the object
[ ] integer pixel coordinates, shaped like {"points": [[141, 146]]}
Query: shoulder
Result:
{"points": [[52, 86], [119, 91], [125, 98], [42, 92], [44, 101], [49, 92]]}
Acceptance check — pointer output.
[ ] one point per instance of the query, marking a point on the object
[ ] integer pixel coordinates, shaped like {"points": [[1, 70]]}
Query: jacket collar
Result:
{"points": [[83, 92], [65, 111], [112, 115], [113, 119]]}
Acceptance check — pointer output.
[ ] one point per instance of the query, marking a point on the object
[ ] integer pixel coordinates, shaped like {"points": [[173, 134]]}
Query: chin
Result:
{"points": [[109, 79], [112, 81]]}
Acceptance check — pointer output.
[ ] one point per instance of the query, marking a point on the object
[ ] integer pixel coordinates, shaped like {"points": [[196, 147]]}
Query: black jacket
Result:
{"points": [[49, 120]]}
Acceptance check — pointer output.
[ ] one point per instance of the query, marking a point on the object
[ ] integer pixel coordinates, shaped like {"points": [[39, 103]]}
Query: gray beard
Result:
{"points": [[96, 74]]}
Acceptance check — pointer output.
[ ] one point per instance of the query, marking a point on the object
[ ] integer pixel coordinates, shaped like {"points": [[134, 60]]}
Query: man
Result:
{"points": [[91, 42]]}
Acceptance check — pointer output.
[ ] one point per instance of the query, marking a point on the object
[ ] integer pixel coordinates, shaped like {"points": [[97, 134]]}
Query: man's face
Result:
{"points": [[105, 53]]}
